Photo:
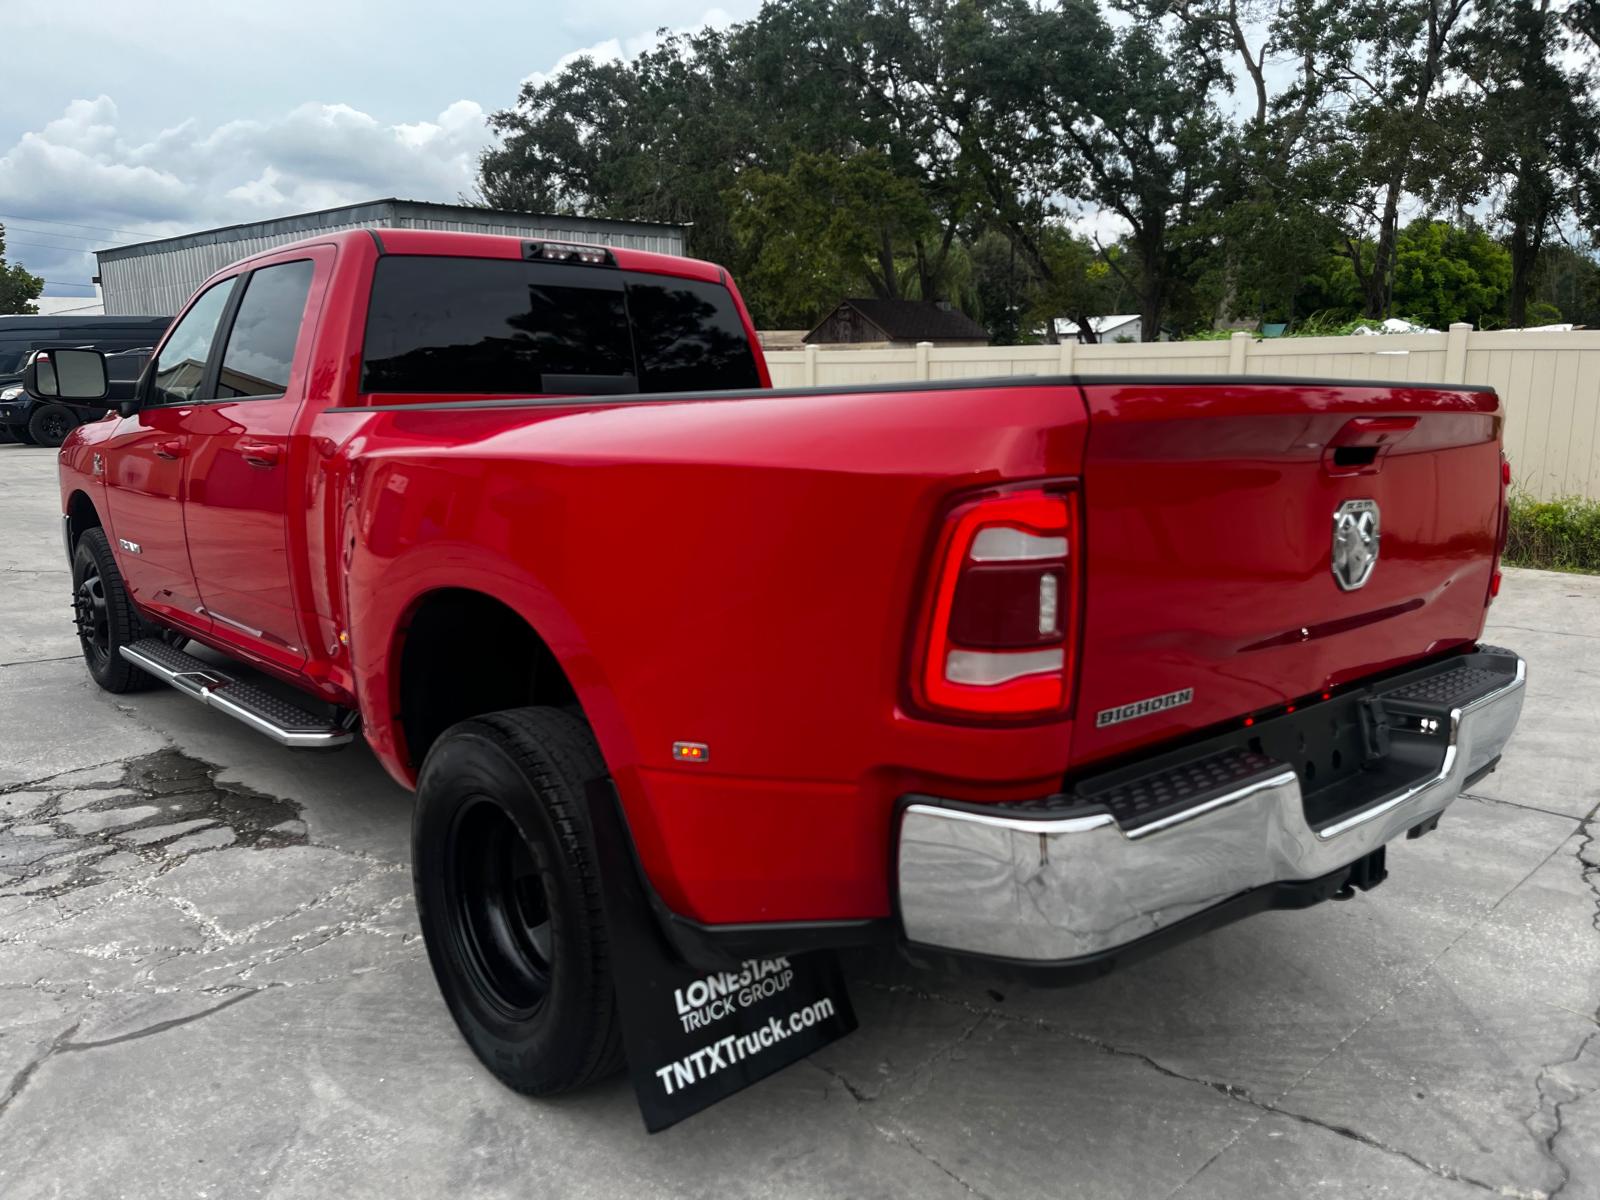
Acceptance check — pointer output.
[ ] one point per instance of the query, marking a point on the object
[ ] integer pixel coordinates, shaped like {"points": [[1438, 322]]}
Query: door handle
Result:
{"points": [[259, 454], [171, 450]]}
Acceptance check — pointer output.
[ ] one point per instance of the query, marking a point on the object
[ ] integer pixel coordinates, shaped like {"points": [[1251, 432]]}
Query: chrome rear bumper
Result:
{"points": [[1035, 886]]}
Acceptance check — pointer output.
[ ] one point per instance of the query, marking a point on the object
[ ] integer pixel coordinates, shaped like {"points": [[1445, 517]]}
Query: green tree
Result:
{"points": [[1538, 132], [1567, 284], [690, 130], [658, 138], [1085, 282], [1444, 273], [1074, 108], [824, 229], [18, 289], [1393, 140], [1266, 225]]}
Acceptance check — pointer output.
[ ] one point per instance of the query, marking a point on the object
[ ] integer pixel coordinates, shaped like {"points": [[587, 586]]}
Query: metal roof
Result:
{"points": [[382, 212], [159, 275]]}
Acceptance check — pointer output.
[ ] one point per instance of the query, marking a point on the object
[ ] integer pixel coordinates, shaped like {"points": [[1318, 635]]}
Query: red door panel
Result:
{"points": [[144, 469], [240, 500], [235, 512]]}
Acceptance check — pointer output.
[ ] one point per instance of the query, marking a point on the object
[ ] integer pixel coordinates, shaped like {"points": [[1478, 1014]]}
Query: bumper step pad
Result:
{"points": [[281, 720], [1148, 799]]}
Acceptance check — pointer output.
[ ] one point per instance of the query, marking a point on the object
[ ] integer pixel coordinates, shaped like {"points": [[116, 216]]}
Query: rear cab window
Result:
{"points": [[499, 326]]}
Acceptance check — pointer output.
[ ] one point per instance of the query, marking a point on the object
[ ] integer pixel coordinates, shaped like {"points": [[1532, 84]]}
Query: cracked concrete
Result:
{"points": [[211, 982]]}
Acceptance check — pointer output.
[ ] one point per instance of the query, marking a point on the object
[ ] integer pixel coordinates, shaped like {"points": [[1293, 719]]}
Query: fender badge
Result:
{"points": [[1142, 708]]}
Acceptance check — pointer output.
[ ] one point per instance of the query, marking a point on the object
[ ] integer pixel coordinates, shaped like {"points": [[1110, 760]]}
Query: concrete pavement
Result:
{"points": [[211, 983]]}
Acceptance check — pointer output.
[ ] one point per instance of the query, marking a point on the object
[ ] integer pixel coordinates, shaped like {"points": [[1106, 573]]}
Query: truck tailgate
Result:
{"points": [[1211, 513]]}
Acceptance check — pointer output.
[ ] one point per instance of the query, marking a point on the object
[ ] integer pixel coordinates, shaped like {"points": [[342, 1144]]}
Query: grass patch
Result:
{"points": [[1556, 535]]}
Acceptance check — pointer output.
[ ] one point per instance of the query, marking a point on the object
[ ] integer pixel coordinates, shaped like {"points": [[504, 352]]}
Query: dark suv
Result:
{"points": [[24, 419]]}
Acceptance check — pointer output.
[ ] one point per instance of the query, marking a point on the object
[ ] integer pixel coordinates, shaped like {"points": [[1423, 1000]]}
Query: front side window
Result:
{"points": [[181, 365], [260, 347]]}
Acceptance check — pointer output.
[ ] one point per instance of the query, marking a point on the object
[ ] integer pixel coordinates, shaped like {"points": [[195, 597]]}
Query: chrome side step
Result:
{"points": [[282, 721]]}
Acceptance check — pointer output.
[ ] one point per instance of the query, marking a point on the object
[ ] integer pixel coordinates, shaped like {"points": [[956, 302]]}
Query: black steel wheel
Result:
{"points": [[508, 895], [105, 617], [498, 908], [51, 423]]}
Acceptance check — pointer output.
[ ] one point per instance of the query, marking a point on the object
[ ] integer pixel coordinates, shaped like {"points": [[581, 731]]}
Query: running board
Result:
{"points": [[282, 721]]}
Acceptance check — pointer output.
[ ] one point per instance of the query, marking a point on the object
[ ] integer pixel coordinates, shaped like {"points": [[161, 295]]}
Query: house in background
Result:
{"points": [[881, 323], [1125, 327]]}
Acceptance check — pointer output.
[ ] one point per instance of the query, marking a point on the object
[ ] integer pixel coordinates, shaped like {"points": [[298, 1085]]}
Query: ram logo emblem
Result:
{"points": [[1355, 543]]}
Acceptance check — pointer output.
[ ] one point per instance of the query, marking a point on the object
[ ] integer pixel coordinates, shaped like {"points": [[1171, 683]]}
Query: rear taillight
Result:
{"points": [[1000, 638]]}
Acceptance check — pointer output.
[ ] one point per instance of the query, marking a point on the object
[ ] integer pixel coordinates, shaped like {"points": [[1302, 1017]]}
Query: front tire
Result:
{"points": [[51, 423], [508, 895], [105, 617]]}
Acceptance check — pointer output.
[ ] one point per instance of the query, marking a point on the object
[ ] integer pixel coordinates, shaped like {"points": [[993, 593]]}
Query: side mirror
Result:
{"points": [[73, 376]]}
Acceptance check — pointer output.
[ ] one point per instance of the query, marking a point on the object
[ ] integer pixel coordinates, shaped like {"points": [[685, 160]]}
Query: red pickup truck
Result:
{"points": [[1041, 672]]}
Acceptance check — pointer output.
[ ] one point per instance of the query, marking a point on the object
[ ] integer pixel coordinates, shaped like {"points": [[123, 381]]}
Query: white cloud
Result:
{"points": [[615, 49], [254, 147], [85, 167]]}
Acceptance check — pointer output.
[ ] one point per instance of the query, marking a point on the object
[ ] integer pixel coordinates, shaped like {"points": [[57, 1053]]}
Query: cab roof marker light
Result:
{"points": [[569, 252]]}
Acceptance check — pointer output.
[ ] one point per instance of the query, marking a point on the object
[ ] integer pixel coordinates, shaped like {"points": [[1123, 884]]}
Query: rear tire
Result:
{"points": [[508, 895], [106, 618], [51, 423]]}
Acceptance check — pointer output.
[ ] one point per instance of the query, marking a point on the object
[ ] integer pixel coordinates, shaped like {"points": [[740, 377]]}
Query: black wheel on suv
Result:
{"points": [[51, 423], [508, 894], [105, 617]]}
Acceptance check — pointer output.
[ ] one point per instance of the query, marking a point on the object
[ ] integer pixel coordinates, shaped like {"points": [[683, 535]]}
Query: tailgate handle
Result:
{"points": [[1358, 448]]}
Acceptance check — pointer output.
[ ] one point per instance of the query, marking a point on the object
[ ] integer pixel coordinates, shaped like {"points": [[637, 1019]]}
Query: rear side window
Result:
{"points": [[260, 347], [505, 326]]}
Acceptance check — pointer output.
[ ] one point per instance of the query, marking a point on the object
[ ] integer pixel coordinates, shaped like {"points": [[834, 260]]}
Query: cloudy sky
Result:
{"points": [[146, 118]]}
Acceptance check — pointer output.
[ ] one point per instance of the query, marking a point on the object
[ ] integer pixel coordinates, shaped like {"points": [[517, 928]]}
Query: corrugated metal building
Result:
{"points": [[155, 278]]}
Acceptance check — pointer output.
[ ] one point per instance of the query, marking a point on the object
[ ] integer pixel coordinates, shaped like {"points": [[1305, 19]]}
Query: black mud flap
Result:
{"points": [[695, 1038]]}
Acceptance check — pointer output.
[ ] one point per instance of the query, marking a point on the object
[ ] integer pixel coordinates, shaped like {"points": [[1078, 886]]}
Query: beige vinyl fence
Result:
{"points": [[1548, 382]]}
